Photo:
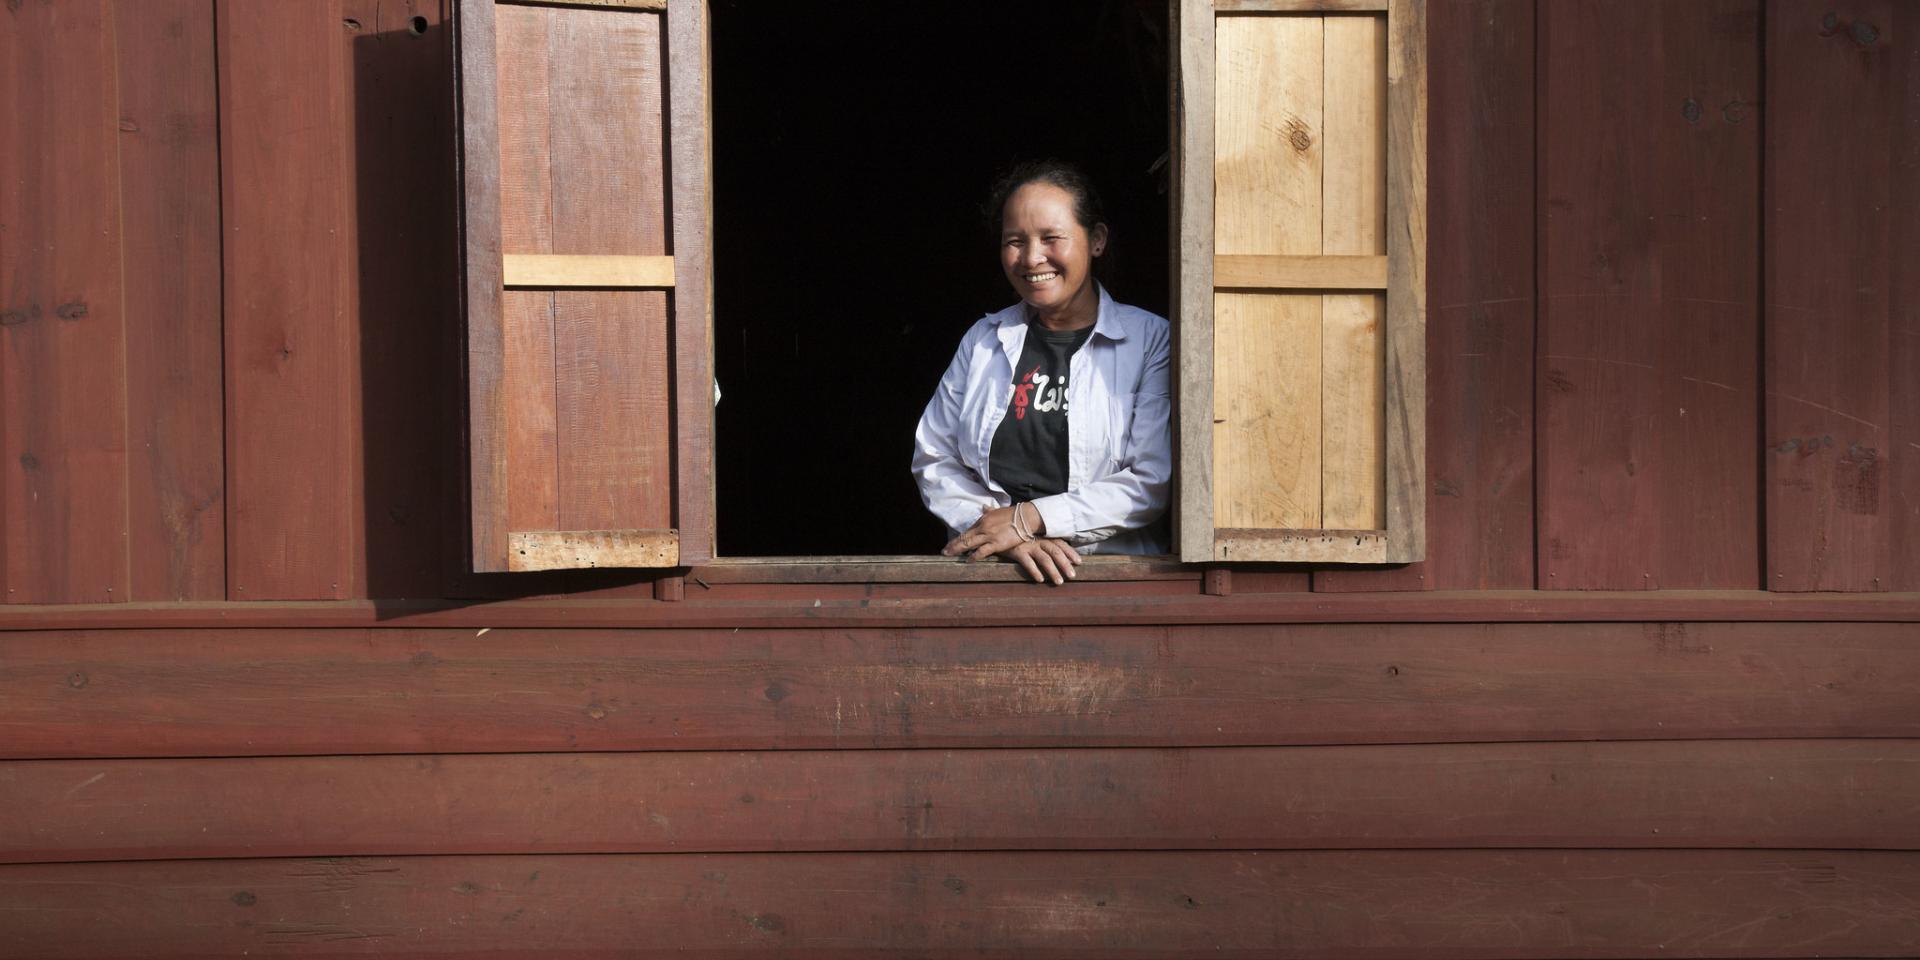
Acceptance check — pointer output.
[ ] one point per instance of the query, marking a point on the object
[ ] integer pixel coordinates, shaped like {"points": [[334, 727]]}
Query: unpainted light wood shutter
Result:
{"points": [[584, 168], [1301, 128]]}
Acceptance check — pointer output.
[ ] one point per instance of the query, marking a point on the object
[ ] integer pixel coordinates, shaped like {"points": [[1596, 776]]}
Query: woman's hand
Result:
{"points": [[993, 533], [1045, 559]]}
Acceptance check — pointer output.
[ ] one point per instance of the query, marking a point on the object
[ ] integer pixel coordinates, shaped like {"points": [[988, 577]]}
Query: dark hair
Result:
{"points": [[1086, 200]]}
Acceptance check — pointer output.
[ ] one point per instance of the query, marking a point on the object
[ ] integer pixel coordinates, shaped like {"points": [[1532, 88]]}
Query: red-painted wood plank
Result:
{"points": [[611, 365], [914, 606], [63, 436], [1903, 457], [292, 383], [1649, 259], [160, 693], [170, 218], [1843, 794], [1326, 904], [409, 363], [1480, 305], [1833, 104]]}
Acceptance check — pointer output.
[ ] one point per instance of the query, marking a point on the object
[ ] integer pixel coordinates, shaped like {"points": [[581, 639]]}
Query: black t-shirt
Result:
{"points": [[1029, 454]]}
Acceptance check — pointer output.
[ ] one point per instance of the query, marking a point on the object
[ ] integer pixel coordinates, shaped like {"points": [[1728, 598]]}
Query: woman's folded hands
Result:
{"points": [[1016, 533]]}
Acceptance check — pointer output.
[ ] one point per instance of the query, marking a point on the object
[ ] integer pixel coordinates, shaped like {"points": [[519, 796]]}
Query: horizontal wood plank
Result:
{"points": [[1839, 794], [160, 693], [1301, 546], [1337, 905], [1301, 6], [1169, 603], [586, 271], [582, 549], [1306, 272], [629, 4]]}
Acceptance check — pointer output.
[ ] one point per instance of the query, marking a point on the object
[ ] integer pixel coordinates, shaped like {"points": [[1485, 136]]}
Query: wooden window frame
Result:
{"points": [[692, 545]]}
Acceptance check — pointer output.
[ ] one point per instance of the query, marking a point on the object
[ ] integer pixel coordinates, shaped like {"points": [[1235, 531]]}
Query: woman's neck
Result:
{"points": [[1079, 312]]}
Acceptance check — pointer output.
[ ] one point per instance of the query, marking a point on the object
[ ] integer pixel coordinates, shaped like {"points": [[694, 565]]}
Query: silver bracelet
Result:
{"points": [[1020, 526]]}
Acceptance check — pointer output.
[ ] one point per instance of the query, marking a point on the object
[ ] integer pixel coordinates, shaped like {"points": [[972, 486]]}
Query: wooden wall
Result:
{"points": [[1673, 348], [1670, 344]]}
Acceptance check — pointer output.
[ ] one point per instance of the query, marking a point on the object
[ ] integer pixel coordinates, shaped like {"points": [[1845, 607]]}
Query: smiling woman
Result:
{"points": [[852, 146], [1048, 435]]}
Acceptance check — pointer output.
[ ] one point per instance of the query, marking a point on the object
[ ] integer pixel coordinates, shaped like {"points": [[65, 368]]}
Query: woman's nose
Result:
{"points": [[1036, 255]]}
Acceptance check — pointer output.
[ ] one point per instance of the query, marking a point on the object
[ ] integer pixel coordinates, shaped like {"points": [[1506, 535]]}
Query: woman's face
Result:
{"points": [[1047, 255]]}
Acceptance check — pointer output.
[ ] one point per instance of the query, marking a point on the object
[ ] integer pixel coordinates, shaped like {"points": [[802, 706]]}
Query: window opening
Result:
{"points": [[853, 144]]}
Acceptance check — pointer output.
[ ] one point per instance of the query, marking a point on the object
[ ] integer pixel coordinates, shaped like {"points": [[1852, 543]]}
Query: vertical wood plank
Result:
{"points": [[523, 66], [1904, 375], [1353, 359], [62, 316], [1192, 90], [1406, 336], [481, 308], [1832, 104], [1649, 267], [170, 220], [611, 371], [292, 383], [690, 164], [1267, 199], [1480, 327]]}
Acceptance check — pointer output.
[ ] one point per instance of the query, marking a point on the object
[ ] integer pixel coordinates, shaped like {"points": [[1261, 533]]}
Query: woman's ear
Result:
{"points": [[1097, 237]]}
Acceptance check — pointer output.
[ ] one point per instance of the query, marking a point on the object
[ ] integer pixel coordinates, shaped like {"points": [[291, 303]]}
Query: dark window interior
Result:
{"points": [[853, 146]]}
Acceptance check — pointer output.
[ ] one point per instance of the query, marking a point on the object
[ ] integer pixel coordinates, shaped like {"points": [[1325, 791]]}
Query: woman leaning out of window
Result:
{"points": [[1047, 438]]}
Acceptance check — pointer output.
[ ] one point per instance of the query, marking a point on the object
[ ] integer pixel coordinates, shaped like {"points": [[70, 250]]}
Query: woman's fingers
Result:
{"points": [[1045, 560], [1062, 556], [1025, 558]]}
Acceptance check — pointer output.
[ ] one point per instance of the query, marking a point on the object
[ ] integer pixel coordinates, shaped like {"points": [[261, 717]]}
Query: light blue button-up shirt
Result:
{"points": [[1119, 449]]}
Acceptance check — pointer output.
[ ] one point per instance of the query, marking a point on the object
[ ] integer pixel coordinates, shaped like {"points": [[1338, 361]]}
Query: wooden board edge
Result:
{"points": [[532, 550], [690, 200], [1301, 6], [1301, 546], [1406, 379], [585, 271], [1309, 272], [478, 163], [1193, 119]]}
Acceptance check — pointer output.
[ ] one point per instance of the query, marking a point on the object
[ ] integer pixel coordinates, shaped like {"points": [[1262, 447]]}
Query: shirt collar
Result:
{"points": [[1105, 324]]}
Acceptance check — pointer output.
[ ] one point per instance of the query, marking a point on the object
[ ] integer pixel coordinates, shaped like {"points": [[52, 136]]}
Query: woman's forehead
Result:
{"points": [[1039, 204]]}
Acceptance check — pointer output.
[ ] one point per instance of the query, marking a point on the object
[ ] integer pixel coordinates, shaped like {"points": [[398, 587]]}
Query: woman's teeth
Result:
{"points": [[1040, 277]]}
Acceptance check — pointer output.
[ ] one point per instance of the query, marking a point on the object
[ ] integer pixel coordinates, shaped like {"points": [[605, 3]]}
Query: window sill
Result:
{"points": [[925, 569]]}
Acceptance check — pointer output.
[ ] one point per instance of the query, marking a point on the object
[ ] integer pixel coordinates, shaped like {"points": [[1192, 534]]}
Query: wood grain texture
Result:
{"points": [[63, 363], [1649, 265], [690, 205], [580, 270], [170, 250], [1405, 442], [585, 549], [1333, 904], [1834, 100], [1192, 83], [1258, 271], [234, 692], [611, 365], [292, 386], [1831, 794], [1268, 169], [1353, 223], [1904, 374], [484, 189], [1479, 414]]}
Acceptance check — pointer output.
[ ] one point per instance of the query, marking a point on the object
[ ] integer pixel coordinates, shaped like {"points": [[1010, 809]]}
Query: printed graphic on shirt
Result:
{"points": [[1043, 393]]}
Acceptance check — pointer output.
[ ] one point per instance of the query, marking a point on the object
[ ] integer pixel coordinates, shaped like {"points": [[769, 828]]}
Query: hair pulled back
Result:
{"points": [[1087, 210]]}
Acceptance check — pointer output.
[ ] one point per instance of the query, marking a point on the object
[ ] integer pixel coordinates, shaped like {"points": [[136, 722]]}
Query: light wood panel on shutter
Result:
{"points": [[1301, 313]]}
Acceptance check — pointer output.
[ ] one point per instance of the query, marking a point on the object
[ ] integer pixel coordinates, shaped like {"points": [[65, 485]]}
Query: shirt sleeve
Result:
{"points": [[950, 488], [1134, 493]]}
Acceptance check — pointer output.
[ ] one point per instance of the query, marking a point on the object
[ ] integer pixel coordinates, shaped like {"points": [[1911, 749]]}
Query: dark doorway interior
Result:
{"points": [[853, 145]]}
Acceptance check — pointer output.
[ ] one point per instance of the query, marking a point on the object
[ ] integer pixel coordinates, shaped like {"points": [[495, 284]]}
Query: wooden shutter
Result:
{"points": [[584, 173], [1301, 128]]}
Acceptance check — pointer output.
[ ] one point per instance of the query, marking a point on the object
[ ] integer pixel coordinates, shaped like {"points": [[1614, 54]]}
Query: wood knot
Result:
{"points": [[1298, 134]]}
